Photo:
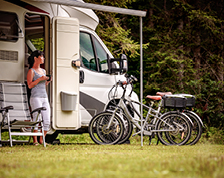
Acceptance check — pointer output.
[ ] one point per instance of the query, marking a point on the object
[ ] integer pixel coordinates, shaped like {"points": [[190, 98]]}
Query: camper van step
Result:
{"points": [[85, 123], [26, 134]]}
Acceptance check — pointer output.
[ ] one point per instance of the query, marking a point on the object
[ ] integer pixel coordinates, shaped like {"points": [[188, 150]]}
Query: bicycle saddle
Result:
{"points": [[163, 93], [154, 97]]}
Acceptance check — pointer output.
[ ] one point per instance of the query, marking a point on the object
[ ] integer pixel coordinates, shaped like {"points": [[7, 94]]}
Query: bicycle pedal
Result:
{"points": [[136, 134]]}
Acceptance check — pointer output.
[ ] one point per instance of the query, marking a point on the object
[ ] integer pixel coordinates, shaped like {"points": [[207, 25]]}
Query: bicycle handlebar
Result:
{"points": [[123, 84], [129, 80]]}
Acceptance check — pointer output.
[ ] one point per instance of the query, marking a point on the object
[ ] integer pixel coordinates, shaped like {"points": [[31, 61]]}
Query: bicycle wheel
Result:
{"points": [[128, 126], [196, 129], [102, 135], [128, 129], [175, 129]]}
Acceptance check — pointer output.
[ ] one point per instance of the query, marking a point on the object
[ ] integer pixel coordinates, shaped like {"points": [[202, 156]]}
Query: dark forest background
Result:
{"points": [[183, 48]]}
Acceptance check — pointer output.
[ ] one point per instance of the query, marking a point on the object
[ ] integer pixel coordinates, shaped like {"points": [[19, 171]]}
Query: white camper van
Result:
{"points": [[76, 94]]}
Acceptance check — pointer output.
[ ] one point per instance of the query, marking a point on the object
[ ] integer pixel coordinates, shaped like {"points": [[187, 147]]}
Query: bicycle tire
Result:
{"points": [[178, 121], [128, 129], [102, 136], [196, 129]]}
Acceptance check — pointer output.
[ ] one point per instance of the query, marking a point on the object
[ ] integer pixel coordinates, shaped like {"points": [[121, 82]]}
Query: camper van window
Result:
{"points": [[8, 26], [101, 55], [87, 51]]}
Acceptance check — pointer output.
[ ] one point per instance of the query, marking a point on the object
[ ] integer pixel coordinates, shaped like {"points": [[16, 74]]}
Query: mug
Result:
{"points": [[49, 77]]}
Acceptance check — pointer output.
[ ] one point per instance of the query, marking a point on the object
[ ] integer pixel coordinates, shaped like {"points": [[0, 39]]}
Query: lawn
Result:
{"points": [[86, 159]]}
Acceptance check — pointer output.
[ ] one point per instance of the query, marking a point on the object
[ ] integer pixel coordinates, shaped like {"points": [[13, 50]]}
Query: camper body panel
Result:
{"points": [[12, 53]]}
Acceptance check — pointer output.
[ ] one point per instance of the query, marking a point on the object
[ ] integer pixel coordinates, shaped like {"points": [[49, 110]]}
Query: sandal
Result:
{"points": [[35, 143], [45, 143]]}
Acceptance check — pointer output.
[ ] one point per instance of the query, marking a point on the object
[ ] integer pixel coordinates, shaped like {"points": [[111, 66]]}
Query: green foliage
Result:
{"points": [[38, 43], [172, 62], [213, 135], [5, 136], [118, 39], [82, 138]]}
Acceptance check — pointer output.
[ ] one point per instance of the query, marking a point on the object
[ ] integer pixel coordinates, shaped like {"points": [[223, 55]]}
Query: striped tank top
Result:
{"points": [[39, 91]]}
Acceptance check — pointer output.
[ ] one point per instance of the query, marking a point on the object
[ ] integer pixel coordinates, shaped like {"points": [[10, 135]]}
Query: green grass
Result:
{"points": [[80, 157]]}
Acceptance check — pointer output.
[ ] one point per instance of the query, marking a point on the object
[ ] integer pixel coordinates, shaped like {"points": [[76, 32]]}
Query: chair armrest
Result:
{"points": [[38, 110], [6, 108]]}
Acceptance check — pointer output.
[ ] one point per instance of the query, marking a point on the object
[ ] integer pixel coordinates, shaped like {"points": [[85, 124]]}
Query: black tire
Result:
{"points": [[180, 123], [196, 129], [128, 129], [98, 132], [51, 138], [128, 126]]}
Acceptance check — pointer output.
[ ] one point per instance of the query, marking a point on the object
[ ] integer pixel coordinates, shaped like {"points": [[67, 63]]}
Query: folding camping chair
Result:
{"points": [[15, 114]]}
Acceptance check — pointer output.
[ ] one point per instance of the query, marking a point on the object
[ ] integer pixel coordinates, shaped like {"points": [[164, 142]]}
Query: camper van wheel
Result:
{"points": [[51, 138]]}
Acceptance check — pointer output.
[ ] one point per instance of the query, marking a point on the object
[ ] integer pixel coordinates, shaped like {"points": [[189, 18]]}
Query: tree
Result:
{"points": [[117, 39]]}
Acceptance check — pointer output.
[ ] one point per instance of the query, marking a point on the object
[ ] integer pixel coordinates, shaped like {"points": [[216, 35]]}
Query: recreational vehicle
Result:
{"points": [[76, 93]]}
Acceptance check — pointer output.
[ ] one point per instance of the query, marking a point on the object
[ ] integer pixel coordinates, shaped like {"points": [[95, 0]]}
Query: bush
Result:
{"points": [[213, 135]]}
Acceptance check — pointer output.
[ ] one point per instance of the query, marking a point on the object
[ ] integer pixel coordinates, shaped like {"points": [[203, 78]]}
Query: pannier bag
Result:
{"points": [[190, 99], [174, 101]]}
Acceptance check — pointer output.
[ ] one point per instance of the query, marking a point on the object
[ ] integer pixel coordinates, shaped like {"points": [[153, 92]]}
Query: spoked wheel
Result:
{"points": [[175, 129], [128, 128], [99, 131], [196, 129]]}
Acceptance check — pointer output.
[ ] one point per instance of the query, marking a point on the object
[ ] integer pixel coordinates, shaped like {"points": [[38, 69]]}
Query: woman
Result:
{"points": [[37, 81]]}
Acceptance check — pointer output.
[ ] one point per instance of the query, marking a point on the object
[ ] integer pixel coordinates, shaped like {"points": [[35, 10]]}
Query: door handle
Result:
{"points": [[76, 63], [81, 76]]}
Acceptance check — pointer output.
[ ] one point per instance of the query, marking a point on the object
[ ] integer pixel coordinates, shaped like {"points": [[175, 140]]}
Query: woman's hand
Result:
{"points": [[43, 78], [48, 81]]}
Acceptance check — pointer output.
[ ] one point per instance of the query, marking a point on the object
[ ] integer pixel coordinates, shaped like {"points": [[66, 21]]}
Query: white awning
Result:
{"points": [[96, 7]]}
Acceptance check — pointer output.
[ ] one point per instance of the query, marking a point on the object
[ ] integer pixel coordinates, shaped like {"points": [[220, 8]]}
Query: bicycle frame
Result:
{"points": [[151, 112]]}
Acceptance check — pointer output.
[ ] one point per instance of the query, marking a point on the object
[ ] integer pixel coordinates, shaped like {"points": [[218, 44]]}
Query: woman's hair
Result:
{"points": [[36, 53]]}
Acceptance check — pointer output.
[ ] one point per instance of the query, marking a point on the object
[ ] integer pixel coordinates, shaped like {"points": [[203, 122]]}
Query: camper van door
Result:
{"points": [[65, 39]]}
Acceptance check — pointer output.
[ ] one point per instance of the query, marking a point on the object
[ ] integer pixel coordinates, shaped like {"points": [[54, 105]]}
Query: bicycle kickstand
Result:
{"points": [[150, 139], [157, 141]]}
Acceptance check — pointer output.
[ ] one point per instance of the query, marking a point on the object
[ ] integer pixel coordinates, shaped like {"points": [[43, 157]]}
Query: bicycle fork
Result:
{"points": [[114, 113]]}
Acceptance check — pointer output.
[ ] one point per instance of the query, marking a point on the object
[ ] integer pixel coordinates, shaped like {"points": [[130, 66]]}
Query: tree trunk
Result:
{"points": [[151, 24], [197, 56], [221, 66], [181, 47]]}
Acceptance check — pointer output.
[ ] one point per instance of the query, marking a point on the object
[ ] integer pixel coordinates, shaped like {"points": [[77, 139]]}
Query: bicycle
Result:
{"points": [[172, 128], [197, 122]]}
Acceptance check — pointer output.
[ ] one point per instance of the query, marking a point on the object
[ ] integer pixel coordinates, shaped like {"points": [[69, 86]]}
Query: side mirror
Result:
{"points": [[123, 64]]}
